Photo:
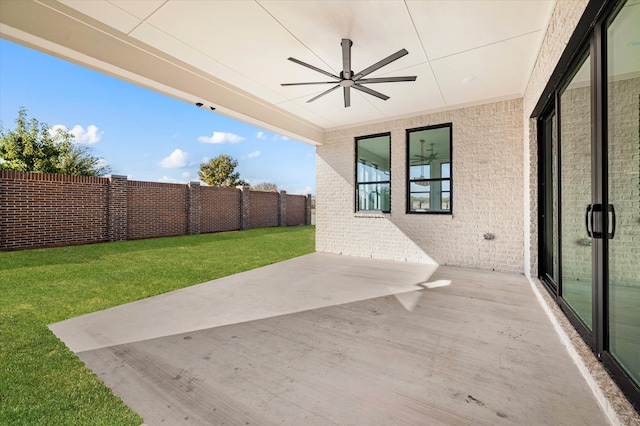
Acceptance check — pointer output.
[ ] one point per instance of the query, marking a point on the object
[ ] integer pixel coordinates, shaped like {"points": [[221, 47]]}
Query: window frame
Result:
{"points": [[409, 181], [357, 183]]}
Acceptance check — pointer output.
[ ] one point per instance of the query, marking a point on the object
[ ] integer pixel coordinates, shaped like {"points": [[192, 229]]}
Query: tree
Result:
{"points": [[220, 171], [78, 161], [265, 186], [33, 147]]}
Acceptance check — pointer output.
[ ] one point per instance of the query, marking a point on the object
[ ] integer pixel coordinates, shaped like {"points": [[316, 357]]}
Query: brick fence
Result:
{"points": [[45, 210]]}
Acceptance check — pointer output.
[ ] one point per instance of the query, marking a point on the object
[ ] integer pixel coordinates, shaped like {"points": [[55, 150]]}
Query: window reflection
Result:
{"points": [[429, 169], [373, 173]]}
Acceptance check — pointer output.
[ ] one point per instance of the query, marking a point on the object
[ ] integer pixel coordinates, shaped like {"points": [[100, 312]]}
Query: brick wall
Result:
{"points": [[45, 210], [117, 208], [263, 209], [220, 209], [487, 193], [296, 210], [564, 19], [156, 210], [624, 181], [575, 175], [51, 210]]}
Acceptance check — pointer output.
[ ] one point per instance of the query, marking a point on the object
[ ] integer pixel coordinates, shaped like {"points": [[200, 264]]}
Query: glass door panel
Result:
{"points": [[550, 201], [554, 201], [623, 105], [575, 193]]}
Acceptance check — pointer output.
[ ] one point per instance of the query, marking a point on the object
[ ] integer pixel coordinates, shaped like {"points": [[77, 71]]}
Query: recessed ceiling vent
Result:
{"points": [[348, 79]]}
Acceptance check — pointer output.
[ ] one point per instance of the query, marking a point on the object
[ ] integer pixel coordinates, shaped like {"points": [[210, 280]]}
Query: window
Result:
{"points": [[373, 173], [429, 169]]}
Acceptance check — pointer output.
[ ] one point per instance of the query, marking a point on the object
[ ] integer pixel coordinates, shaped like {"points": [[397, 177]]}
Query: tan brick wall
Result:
{"points": [[624, 182], [487, 194], [478, 208], [575, 178], [624, 186], [562, 24]]}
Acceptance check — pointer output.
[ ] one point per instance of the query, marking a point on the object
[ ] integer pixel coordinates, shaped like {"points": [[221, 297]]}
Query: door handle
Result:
{"points": [[586, 220], [589, 222], [611, 210]]}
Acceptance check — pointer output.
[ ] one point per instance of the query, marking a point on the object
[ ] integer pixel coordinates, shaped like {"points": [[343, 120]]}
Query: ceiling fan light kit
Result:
{"points": [[348, 79]]}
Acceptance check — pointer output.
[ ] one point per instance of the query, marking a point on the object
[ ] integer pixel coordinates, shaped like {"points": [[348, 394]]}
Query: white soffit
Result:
{"points": [[475, 23], [233, 54]]}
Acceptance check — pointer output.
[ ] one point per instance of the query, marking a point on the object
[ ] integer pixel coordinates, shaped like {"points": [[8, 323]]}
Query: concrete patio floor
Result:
{"points": [[332, 340]]}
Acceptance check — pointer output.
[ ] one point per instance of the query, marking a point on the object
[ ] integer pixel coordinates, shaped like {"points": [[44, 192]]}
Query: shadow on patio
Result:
{"points": [[327, 339]]}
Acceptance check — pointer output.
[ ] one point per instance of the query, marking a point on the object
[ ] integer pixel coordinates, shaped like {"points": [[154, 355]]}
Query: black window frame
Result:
{"points": [[409, 181], [377, 182]]}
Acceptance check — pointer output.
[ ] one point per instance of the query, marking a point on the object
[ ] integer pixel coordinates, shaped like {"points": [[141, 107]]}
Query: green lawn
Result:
{"points": [[41, 381]]}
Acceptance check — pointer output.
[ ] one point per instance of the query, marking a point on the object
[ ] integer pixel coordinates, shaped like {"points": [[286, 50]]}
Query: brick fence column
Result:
{"points": [[282, 208], [245, 212], [194, 208], [117, 208], [307, 210]]}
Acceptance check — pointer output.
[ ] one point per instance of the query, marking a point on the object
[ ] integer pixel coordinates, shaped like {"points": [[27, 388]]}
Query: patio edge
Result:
{"points": [[613, 402]]}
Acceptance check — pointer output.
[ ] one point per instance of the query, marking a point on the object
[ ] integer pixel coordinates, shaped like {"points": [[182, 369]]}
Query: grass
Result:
{"points": [[41, 381]]}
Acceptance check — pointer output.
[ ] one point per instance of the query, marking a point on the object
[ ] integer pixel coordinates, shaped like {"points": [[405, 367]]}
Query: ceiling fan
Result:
{"points": [[348, 79], [422, 160]]}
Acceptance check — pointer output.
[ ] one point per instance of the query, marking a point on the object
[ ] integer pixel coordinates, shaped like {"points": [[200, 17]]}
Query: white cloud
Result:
{"points": [[89, 136], [298, 191], [102, 163], [184, 178], [264, 137], [53, 130], [254, 154], [178, 158], [221, 137]]}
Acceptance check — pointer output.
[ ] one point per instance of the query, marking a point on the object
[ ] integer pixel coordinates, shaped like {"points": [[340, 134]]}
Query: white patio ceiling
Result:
{"points": [[232, 55]]}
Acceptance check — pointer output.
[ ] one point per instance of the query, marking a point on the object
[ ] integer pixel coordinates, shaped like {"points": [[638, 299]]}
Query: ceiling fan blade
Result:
{"points": [[326, 92], [304, 64], [399, 54], [347, 97], [346, 58], [385, 79], [370, 91], [309, 83]]}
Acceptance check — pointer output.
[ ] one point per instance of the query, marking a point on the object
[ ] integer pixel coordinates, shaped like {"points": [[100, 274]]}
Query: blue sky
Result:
{"points": [[142, 134]]}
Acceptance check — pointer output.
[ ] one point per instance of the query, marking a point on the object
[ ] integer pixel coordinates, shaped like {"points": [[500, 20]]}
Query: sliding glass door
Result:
{"points": [[590, 193], [575, 188], [623, 188]]}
